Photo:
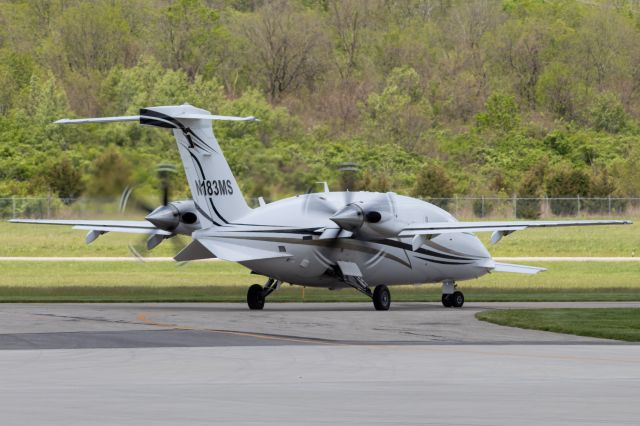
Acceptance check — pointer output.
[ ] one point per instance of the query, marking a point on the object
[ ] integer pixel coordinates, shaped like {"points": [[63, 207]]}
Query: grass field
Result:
{"points": [[43, 240], [223, 281], [615, 323]]}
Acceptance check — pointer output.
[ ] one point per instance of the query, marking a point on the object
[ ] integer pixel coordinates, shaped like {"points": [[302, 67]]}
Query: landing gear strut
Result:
{"points": [[381, 295], [451, 298], [257, 294]]}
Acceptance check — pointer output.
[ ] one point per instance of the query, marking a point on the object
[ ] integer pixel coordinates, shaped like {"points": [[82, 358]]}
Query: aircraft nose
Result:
{"points": [[350, 217], [476, 248]]}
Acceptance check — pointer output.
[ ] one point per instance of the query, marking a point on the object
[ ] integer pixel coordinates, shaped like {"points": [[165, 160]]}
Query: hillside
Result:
{"points": [[429, 97]]}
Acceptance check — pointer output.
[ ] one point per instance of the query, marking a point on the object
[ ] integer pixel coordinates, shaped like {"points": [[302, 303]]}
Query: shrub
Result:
{"points": [[566, 182], [433, 183]]}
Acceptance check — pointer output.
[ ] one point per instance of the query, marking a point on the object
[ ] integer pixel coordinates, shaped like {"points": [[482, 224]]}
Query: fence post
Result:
{"points": [[609, 200], [515, 206], [482, 206], [13, 210], [578, 205]]}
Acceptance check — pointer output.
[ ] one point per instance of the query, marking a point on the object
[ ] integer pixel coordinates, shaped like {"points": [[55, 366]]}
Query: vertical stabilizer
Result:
{"points": [[214, 189]]}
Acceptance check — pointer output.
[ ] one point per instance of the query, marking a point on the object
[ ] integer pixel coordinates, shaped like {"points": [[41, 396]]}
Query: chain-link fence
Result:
{"points": [[56, 208], [535, 208], [463, 207]]}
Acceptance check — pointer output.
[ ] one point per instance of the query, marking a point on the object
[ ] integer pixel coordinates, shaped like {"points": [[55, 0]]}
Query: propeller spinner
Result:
{"points": [[174, 217]]}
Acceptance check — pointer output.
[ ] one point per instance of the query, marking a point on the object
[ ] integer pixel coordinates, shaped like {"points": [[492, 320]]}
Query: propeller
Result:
{"points": [[165, 216], [374, 218]]}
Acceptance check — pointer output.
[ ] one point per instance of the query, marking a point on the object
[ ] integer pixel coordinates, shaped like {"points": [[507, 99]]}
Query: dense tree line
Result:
{"points": [[432, 97]]}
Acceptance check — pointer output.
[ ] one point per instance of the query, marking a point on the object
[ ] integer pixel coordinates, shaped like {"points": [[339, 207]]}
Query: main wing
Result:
{"points": [[422, 230], [99, 227]]}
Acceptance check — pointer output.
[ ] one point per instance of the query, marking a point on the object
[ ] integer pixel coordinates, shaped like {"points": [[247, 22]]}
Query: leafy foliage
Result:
{"points": [[435, 98]]}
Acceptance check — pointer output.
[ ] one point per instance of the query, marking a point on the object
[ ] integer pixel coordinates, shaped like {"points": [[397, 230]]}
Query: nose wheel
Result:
{"points": [[451, 298], [257, 294]]}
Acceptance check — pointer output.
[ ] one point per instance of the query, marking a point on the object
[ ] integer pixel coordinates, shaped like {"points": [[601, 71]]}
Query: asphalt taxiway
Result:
{"points": [[419, 363]]}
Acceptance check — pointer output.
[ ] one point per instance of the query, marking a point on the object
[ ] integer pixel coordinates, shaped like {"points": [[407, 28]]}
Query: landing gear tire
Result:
{"points": [[255, 297], [446, 300], [381, 298], [457, 299]]}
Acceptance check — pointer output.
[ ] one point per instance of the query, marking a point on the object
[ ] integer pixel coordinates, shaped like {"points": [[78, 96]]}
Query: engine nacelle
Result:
{"points": [[368, 221], [178, 217]]}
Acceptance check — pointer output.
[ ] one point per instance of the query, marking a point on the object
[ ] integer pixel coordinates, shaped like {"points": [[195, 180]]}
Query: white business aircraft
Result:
{"points": [[334, 240]]}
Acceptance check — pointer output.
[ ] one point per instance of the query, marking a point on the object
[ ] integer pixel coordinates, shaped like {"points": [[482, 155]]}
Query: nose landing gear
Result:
{"points": [[451, 298], [257, 294]]}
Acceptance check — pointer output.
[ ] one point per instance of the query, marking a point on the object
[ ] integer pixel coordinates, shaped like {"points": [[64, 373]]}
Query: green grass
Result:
{"points": [[223, 281], [56, 240], [614, 323], [618, 240], [50, 240]]}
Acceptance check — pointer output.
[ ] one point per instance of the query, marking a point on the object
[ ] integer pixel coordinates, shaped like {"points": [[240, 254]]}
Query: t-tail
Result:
{"points": [[214, 189]]}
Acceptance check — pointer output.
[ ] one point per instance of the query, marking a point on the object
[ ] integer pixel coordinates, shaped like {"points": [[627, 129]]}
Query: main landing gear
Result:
{"points": [[257, 294], [381, 298], [451, 298], [381, 295]]}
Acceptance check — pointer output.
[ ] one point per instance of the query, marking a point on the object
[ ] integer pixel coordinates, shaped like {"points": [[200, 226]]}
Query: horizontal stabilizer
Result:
{"points": [[187, 116], [223, 249], [518, 269]]}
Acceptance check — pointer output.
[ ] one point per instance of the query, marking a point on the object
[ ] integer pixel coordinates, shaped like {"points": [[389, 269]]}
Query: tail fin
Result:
{"points": [[214, 189]]}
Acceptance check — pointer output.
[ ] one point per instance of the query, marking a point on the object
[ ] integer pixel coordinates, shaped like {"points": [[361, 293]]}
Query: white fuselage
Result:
{"points": [[390, 260]]}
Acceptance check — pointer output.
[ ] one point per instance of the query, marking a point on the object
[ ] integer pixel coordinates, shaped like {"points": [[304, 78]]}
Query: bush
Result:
{"points": [[433, 183], [530, 189], [65, 180], [607, 113], [501, 113], [483, 207], [569, 183]]}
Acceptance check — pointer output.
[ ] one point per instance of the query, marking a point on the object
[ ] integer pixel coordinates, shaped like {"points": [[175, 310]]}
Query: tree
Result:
{"points": [[93, 36], [348, 19], [111, 173], [501, 113], [531, 189], [517, 50], [433, 183], [190, 36], [607, 113], [287, 47], [399, 113], [566, 182], [65, 180], [558, 91]]}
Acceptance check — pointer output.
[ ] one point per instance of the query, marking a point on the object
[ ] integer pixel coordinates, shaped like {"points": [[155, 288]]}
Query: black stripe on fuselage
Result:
{"points": [[406, 246], [444, 258], [443, 262]]}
